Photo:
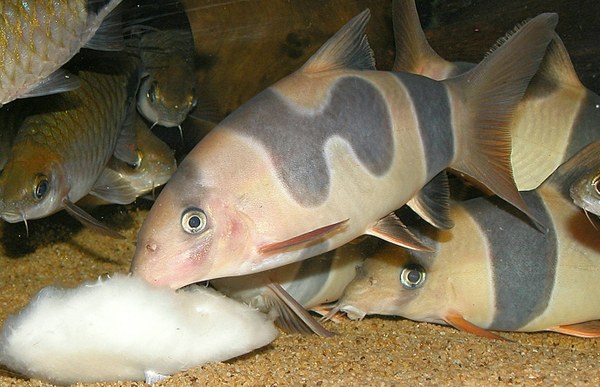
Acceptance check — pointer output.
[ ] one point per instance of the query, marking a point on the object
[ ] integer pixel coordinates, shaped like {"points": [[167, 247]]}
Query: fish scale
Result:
{"points": [[70, 137], [38, 37]]}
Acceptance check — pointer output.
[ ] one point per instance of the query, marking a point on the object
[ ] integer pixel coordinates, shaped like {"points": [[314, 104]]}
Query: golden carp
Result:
{"points": [[153, 168], [62, 148], [37, 37], [328, 153]]}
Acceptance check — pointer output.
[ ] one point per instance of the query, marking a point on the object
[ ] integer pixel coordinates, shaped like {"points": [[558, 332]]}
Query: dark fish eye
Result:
{"points": [[138, 162], [151, 94], [193, 220], [41, 187], [596, 184], [412, 276]]}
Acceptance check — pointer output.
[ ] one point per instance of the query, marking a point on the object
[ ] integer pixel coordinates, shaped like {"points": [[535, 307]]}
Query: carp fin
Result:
{"points": [[109, 34], [492, 91], [126, 148], [391, 229], [458, 322], [292, 317], [348, 48], [112, 187], [310, 236], [89, 221], [432, 202], [588, 329], [59, 81]]}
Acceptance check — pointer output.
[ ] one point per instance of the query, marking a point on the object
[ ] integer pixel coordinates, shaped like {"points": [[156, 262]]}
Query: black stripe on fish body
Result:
{"points": [[311, 277], [434, 115], [295, 137], [523, 260], [586, 126]]}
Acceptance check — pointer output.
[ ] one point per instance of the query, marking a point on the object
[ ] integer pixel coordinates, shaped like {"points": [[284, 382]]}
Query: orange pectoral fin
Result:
{"points": [[458, 322], [300, 239], [588, 329]]}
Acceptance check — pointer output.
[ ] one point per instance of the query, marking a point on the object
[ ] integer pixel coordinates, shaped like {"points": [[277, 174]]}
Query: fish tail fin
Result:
{"points": [[413, 52], [489, 94]]}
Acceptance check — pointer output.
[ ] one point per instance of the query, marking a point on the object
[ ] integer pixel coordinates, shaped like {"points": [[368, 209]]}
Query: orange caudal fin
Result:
{"points": [[492, 91], [588, 329], [273, 248], [458, 322]]}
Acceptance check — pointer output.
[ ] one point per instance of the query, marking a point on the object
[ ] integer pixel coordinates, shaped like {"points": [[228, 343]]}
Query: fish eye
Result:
{"points": [[193, 220], [151, 94], [596, 184], [41, 187], [136, 164], [412, 276]]}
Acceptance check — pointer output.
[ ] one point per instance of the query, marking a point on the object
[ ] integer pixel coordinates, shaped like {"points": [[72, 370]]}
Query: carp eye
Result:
{"points": [[412, 276], [41, 187], [151, 94], [193, 220], [596, 184], [136, 164]]}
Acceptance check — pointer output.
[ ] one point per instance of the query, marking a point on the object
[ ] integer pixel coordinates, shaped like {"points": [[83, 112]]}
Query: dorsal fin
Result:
{"points": [[556, 68], [413, 52], [348, 48]]}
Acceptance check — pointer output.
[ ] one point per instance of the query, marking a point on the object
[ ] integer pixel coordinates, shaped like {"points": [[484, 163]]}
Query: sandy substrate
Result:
{"points": [[375, 351]]}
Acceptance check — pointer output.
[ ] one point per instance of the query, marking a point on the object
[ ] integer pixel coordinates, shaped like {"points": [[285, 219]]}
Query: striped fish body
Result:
{"points": [[317, 160], [61, 149], [491, 272], [38, 37], [312, 282], [556, 118]]}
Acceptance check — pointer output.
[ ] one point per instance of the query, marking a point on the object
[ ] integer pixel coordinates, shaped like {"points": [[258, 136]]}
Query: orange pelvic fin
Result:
{"points": [[310, 236], [458, 322], [588, 329]]}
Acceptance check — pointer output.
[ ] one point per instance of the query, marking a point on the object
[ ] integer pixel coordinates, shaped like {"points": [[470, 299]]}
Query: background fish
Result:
{"points": [[278, 180], [490, 272], [586, 191], [168, 92], [62, 148], [128, 181], [557, 116], [311, 284], [38, 37]]}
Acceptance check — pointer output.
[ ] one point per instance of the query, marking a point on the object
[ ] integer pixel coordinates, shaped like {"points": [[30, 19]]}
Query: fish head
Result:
{"points": [[155, 161], [166, 102], [585, 193], [386, 284], [32, 185], [195, 231]]}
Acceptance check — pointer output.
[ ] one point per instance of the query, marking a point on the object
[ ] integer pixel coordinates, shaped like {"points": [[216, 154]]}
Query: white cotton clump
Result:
{"points": [[124, 329]]}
